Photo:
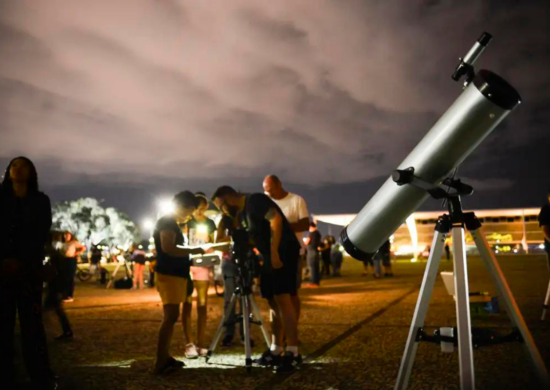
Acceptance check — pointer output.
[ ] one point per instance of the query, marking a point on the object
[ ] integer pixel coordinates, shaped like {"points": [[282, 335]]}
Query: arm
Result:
{"points": [[276, 224], [303, 218], [79, 248], [168, 244], [301, 226]]}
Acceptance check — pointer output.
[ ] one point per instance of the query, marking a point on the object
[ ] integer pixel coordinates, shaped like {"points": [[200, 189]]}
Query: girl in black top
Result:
{"points": [[25, 221]]}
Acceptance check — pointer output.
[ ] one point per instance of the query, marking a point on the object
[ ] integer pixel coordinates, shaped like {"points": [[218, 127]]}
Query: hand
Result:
{"points": [[276, 262]]}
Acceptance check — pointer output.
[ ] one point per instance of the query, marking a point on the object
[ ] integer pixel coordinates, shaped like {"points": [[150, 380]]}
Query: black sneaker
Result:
{"points": [[289, 363], [268, 359]]}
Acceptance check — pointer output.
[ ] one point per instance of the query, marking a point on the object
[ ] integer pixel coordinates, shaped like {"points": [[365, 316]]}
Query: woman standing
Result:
{"points": [[72, 249], [25, 221], [200, 231], [138, 257], [172, 273]]}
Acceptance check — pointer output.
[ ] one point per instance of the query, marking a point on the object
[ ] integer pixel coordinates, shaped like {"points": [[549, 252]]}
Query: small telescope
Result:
{"points": [[486, 100]]}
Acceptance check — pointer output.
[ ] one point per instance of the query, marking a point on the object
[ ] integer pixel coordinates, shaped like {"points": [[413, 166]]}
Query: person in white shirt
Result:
{"points": [[295, 210]]}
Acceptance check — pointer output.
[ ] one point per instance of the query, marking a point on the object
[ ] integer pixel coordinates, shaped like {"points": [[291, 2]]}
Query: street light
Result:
{"points": [[166, 206], [148, 224]]}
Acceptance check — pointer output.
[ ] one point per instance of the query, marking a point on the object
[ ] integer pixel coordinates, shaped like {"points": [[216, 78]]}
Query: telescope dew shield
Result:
{"points": [[470, 119]]}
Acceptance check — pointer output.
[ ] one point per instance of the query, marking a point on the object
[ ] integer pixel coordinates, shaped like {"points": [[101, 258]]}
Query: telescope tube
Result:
{"points": [[470, 119]]}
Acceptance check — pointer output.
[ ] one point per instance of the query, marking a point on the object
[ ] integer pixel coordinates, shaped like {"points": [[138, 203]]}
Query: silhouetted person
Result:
{"points": [[25, 221], [56, 286], [448, 251]]}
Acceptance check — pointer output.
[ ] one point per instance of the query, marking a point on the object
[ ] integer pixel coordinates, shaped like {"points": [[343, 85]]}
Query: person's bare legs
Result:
{"points": [[288, 318], [186, 320], [276, 323], [297, 306], [171, 314], [140, 276], [202, 295]]}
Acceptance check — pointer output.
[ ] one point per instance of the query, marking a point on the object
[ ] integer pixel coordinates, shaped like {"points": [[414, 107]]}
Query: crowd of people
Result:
{"points": [[276, 222]]}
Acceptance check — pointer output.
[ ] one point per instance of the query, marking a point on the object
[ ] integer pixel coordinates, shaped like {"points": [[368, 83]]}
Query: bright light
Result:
{"points": [[148, 224], [515, 251], [166, 206], [413, 260], [203, 229], [496, 251], [151, 247], [541, 246], [404, 250], [140, 247]]}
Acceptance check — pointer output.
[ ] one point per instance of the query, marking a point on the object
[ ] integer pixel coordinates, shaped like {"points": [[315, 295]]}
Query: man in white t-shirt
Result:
{"points": [[295, 210]]}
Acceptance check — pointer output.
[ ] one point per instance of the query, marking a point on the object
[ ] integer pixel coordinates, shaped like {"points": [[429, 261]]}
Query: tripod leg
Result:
{"points": [[421, 310], [258, 317], [546, 302], [221, 326], [464, 323], [246, 326], [511, 306]]}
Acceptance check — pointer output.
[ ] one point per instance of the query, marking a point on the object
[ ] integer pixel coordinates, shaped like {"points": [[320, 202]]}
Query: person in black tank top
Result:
{"points": [[274, 238]]}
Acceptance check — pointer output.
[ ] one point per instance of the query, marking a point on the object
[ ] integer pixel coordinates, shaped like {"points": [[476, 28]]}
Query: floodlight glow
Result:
{"points": [[148, 224], [166, 206], [541, 246]]}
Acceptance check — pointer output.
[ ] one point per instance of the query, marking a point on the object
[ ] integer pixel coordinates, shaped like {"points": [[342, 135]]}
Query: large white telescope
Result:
{"points": [[486, 100]]}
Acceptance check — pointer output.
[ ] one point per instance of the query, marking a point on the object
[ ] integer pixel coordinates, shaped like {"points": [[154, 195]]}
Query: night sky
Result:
{"points": [[132, 100]]}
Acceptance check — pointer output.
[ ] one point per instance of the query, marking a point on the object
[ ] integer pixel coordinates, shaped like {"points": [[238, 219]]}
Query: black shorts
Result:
{"points": [[282, 280]]}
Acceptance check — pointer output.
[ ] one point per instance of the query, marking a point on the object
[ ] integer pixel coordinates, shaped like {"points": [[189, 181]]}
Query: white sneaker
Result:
{"points": [[191, 351]]}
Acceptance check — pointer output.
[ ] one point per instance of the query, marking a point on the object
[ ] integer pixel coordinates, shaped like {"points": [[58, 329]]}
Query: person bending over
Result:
{"points": [[274, 238]]}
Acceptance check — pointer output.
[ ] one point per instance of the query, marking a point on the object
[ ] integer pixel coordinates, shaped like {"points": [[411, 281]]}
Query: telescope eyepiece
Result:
{"points": [[485, 38]]}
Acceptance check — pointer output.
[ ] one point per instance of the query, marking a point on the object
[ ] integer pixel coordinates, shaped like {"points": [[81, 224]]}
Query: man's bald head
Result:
{"points": [[273, 187]]}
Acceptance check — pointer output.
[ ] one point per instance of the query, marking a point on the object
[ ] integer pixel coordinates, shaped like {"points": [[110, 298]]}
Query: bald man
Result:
{"points": [[295, 210]]}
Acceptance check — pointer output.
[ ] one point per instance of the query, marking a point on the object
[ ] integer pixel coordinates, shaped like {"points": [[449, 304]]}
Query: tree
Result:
{"points": [[93, 224]]}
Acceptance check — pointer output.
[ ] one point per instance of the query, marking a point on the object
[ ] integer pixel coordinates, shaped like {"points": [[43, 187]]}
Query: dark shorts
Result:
{"points": [[280, 281], [386, 261]]}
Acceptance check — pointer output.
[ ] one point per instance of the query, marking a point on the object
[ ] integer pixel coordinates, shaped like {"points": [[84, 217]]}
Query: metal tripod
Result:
{"points": [[249, 311], [455, 223]]}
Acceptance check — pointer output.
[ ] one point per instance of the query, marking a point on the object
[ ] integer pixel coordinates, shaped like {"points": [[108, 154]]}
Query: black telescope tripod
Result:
{"points": [[250, 314], [455, 223]]}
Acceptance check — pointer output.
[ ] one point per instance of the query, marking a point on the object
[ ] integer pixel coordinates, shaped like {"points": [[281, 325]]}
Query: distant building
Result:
{"points": [[507, 230]]}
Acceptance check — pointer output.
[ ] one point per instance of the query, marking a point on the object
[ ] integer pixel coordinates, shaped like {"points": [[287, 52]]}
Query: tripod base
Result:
{"points": [[465, 342], [250, 314]]}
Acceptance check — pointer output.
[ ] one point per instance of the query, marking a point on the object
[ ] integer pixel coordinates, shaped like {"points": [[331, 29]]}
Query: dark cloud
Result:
{"points": [[328, 96]]}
